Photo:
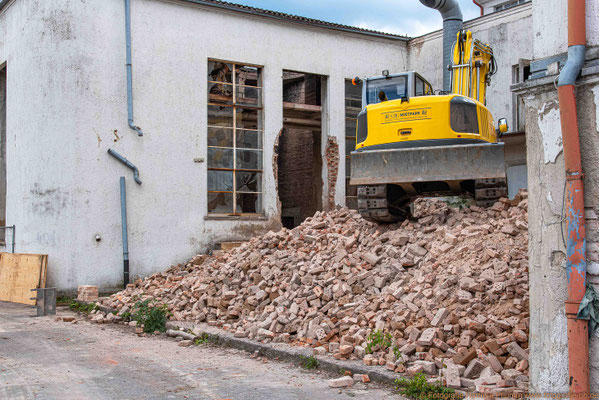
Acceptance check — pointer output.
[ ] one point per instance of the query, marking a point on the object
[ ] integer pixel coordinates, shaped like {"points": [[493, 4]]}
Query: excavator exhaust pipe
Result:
{"points": [[453, 22]]}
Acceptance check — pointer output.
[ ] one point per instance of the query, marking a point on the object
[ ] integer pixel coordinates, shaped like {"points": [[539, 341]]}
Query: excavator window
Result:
{"points": [[463, 115], [419, 87], [391, 88]]}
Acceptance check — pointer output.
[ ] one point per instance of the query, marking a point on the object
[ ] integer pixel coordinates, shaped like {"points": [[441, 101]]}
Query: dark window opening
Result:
{"points": [[353, 106], [299, 159]]}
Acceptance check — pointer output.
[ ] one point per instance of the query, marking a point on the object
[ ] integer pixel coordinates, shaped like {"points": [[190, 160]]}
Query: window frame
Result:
{"points": [[236, 108]]}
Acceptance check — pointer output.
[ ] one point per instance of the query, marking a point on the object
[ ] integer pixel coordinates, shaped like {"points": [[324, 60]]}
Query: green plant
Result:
{"points": [[378, 338], [126, 316], [204, 338], [82, 307], [151, 315], [64, 300], [396, 352], [309, 362], [418, 388]]}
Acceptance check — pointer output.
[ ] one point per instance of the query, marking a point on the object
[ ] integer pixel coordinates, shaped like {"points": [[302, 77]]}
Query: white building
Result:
{"points": [[64, 83]]}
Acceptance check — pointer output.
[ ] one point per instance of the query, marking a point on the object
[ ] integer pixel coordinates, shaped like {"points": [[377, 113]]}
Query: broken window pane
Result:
{"points": [[234, 138], [220, 158], [220, 181], [248, 181], [220, 203], [220, 72], [249, 203], [249, 139], [249, 159], [248, 96], [220, 116], [220, 137], [247, 118], [220, 92], [247, 75]]}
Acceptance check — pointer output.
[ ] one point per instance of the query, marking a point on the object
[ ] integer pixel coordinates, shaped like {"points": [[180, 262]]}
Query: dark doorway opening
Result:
{"points": [[300, 148]]}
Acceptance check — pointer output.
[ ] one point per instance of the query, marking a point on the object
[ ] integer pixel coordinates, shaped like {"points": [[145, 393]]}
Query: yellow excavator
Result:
{"points": [[411, 142]]}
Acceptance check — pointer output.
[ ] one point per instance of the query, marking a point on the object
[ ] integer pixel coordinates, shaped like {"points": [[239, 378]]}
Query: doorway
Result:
{"points": [[300, 148]]}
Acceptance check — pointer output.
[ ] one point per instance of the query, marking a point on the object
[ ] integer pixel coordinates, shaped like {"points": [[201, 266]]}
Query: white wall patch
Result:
{"points": [[596, 94], [549, 125]]}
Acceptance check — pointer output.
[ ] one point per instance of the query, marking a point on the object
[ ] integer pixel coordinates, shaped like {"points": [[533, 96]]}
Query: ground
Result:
{"points": [[43, 358]]}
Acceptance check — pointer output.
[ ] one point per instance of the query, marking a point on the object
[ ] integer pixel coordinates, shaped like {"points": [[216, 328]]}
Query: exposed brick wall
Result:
{"points": [[332, 157], [296, 171]]}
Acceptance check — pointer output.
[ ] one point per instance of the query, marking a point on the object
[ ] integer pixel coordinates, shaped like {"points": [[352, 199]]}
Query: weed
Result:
{"points": [[418, 388], [309, 362], [396, 352], [151, 315], [83, 307], [64, 300], [378, 338], [204, 338], [126, 316]]}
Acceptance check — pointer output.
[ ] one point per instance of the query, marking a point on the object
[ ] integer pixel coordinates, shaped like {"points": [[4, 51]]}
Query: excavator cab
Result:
{"points": [[411, 142]]}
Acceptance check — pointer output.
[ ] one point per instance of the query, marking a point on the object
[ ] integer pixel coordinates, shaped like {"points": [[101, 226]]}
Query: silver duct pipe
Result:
{"points": [[453, 22]]}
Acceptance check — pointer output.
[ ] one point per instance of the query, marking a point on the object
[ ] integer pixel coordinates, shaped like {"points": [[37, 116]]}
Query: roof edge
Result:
{"points": [[295, 19]]}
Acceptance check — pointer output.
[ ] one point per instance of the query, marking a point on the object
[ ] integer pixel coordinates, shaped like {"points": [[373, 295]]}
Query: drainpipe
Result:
{"points": [[453, 22], [125, 236], [129, 69], [576, 266], [127, 163], [479, 6]]}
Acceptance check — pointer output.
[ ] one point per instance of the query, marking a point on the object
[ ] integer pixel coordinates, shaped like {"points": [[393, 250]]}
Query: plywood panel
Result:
{"points": [[19, 273]]}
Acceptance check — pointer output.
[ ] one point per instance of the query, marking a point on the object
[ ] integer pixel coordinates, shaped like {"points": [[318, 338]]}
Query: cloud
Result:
{"points": [[404, 17]]}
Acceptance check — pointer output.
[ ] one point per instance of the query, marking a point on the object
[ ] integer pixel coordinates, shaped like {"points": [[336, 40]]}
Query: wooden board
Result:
{"points": [[19, 273]]}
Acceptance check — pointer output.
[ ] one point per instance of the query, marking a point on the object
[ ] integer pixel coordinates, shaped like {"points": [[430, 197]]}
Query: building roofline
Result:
{"points": [[296, 19]]}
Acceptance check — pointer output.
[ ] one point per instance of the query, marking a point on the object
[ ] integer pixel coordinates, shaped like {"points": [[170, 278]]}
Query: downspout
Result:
{"points": [[482, 12], [129, 69], [576, 266], [128, 163], [125, 236], [453, 22]]}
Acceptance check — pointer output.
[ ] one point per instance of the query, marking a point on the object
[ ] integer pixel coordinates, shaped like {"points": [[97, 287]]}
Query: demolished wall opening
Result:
{"points": [[300, 155]]}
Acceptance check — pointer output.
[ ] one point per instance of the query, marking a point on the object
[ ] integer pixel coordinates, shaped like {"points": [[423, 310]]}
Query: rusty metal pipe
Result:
{"points": [[479, 6], [576, 266]]}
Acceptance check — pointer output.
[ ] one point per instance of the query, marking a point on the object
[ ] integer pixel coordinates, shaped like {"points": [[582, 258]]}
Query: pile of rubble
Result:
{"points": [[445, 294]]}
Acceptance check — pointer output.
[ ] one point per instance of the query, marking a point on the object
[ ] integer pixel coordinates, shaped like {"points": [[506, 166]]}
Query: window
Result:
{"points": [[387, 89], [234, 138], [353, 105], [509, 4], [463, 115], [419, 87]]}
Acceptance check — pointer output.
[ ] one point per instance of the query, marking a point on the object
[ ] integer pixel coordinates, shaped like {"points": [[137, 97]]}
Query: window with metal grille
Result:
{"points": [[235, 131]]}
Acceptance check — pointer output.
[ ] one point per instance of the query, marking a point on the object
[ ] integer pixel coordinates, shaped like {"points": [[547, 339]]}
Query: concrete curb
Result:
{"points": [[285, 352]]}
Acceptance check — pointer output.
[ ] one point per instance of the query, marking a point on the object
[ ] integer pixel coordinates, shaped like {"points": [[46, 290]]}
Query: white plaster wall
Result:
{"points": [[550, 26], [67, 98], [507, 32]]}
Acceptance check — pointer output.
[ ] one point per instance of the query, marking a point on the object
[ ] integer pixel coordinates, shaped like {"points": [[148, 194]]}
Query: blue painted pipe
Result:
{"points": [[127, 163], [129, 69], [125, 237]]}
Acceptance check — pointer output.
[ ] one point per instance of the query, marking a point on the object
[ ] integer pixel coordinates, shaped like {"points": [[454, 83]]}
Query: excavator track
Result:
{"points": [[383, 203], [488, 191]]}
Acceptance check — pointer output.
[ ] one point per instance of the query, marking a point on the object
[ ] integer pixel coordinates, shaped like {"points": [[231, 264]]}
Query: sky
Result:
{"points": [[403, 17]]}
